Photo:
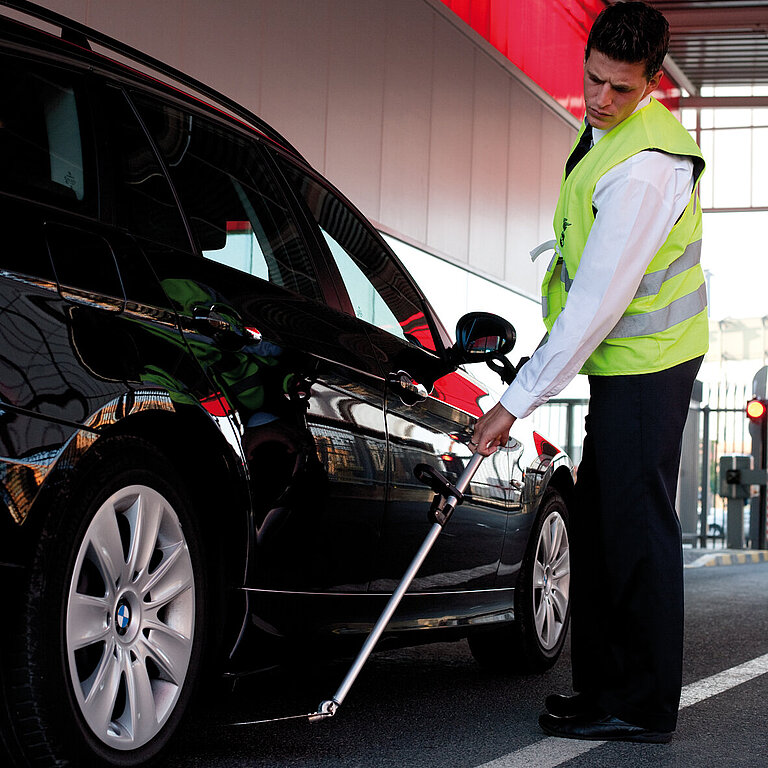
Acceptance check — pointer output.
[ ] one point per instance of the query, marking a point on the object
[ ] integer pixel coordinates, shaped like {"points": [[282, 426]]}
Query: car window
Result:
{"points": [[232, 201], [42, 151], [145, 204], [378, 289], [366, 301]]}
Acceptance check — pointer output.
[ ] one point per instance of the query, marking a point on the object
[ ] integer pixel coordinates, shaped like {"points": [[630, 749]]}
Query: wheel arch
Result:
{"points": [[555, 472], [193, 443], [562, 481]]}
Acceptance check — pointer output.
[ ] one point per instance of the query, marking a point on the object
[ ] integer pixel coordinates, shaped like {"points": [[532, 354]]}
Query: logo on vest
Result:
{"points": [[566, 224]]}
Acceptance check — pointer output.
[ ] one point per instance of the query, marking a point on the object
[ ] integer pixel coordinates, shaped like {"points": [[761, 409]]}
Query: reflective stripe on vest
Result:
{"points": [[662, 319], [652, 282], [650, 285], [565, 278]]}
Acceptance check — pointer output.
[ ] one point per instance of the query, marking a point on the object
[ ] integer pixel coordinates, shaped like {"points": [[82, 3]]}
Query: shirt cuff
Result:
{"points": [[518, 402]]}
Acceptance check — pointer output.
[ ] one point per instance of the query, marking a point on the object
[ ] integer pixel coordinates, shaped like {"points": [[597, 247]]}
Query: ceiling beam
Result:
{"points": [[699, 18], [723, 102], [676, 73]]}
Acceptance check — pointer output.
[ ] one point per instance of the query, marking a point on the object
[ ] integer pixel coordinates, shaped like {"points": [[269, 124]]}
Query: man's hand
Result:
{"points": [[492, 430]]}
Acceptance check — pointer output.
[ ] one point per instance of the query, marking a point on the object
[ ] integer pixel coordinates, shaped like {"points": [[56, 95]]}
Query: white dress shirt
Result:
{"points": [[638, 203]]}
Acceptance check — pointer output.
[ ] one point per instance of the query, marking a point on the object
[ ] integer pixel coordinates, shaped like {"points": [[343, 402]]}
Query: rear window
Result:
{"points": [[42, 152]]}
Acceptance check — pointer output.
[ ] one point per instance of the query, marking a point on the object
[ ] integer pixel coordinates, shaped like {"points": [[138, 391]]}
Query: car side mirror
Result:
{"points": [[482, 336]]}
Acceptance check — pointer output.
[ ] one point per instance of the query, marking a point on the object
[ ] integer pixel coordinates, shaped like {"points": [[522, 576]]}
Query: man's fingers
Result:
{"points": [[491, 431], [484, 445]]}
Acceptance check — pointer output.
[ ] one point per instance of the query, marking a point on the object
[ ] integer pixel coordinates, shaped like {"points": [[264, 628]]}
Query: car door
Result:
{"points": [[66, 349], [44, 394], [295, 376], [429, 407]]}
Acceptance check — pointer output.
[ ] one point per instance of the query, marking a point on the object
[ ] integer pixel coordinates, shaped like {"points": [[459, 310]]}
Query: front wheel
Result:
{"points": [[534, 641], [114, 633]]}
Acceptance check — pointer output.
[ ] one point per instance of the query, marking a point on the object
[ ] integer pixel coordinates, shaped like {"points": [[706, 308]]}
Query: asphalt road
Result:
{"points": [[432, 706]]}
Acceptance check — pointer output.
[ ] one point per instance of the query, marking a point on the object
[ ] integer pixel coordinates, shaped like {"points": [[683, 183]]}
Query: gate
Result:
{"points": [[561, 421], [717, 425], [724, 428]]}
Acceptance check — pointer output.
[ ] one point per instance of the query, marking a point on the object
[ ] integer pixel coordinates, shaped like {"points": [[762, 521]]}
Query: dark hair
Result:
{"points": [[631, 32]]}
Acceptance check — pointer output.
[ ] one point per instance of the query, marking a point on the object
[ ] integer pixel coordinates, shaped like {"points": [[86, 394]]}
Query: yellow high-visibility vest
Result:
{"points": [[666, 322]]}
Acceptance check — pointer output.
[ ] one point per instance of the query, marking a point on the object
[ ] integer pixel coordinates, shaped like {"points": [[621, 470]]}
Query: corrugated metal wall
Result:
{"points": [[410, 113]]}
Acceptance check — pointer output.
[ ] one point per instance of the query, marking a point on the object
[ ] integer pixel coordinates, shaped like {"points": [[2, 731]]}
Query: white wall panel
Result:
{"points": [[450, 149], [74, 9], [294, 74], [524, 192], [356, 101], [407, 116], [237, 31], [128, 22], [490, 137]]}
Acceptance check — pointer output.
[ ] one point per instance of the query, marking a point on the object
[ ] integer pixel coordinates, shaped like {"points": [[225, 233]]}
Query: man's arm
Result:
{"points": [[638, 203]]}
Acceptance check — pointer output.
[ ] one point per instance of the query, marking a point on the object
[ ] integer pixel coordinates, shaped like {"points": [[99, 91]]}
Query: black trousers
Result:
{"points": [[626, 551]]}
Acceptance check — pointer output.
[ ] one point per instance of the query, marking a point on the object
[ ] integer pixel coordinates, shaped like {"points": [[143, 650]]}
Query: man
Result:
{"points": [[624, 302]]}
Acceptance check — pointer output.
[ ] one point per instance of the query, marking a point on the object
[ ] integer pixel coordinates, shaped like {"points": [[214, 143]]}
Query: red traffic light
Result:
{"points": [[756, 410]]}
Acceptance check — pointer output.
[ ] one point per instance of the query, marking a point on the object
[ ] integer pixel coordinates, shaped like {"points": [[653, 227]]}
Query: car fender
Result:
{"points": [[545, 472], [202, 444]]}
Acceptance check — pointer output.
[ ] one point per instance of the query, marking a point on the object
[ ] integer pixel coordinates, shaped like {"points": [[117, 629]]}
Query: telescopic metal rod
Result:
{"points": [[328, 707], [449, 497]]}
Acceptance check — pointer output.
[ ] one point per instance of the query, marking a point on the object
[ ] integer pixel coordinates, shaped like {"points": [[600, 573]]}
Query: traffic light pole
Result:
{"points": [[757, 429], [736, 479], [762, 523], [739, 472]]}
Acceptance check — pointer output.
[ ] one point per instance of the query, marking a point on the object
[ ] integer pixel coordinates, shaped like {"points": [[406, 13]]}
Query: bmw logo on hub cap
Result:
{"points": [[122, 617]]}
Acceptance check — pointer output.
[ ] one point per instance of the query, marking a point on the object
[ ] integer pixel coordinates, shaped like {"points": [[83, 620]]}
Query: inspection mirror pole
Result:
{"points": [[442, 509]]}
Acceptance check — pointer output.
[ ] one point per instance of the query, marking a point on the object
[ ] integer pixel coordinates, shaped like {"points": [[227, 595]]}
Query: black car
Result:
{"points": [[216, 380]]}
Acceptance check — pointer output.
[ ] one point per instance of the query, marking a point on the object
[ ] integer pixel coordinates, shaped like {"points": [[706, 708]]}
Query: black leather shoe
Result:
{"points": [[571, 706], [606, 728]]}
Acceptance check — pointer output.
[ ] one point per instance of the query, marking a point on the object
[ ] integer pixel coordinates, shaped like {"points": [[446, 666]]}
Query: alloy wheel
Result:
{"points": [[130, 617], [551, 581]]}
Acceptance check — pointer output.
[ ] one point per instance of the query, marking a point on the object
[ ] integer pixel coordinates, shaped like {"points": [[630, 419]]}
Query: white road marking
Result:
{"points": [[546, 753], [551, 752], [723, 681]]}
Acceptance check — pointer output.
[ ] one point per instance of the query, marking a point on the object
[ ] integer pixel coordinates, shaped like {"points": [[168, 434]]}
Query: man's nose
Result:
{"points": [[604, 95]]}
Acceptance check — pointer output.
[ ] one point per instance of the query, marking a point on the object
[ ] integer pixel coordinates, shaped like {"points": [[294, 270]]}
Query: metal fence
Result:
{"points": [[717, 426], [561, 421], [724, 429]]}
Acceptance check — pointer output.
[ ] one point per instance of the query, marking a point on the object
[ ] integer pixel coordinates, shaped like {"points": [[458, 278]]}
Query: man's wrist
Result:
{"points": [[514, 402]]}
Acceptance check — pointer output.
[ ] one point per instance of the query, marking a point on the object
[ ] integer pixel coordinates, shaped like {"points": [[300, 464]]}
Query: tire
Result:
{"points": [[534, 641], [113, 636]]}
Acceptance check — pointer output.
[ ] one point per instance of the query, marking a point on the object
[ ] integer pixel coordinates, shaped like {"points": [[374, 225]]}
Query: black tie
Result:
{"points": [[581, 149]]}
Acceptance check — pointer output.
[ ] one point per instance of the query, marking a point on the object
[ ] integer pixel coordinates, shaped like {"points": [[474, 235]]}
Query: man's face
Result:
{"points": [[612, 89]]}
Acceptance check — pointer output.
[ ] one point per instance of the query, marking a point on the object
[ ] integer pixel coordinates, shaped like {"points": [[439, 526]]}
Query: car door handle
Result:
{"points": [[224, 324], [410, 390], [211, 317]]}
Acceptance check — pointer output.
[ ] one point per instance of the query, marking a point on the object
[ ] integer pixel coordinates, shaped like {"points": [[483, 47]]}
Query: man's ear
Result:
{"points": [[653, 83]]}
